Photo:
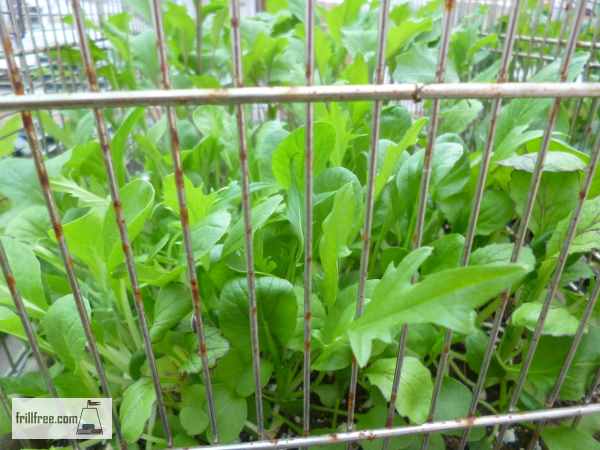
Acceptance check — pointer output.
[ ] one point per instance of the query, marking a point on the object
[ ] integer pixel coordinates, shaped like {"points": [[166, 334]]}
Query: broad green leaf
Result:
{"points": [[556, 198], [418, 64], [267, 138], [239, 363], [565, 438], [207, 232], [10, 323], [515, 139], [9, 132], [19, 186], [445, 298], [88, 247], [260, 215], [143, 46], [394, 152], [137, 198], [402, 34], [453, 403], [173, 303], [587, 234], [338, 231], [526, 111], [288, 157], [496, 211], [30, 225], [550, 357], [447, 253], [459, 116], [559, 321], [554, 162], [199, 204], [231, 412], [64, 331], [136, 408], [500, 254], [415, 390], [397, 279], [119, 142], [276, 308], [26, 270], [85, 197], [193, 415]]}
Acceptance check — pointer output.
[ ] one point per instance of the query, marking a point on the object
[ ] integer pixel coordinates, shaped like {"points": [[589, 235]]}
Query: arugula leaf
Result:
{"points": [[559, 321], [339, 228], [136, 408], [445, 298], [64, 331]]}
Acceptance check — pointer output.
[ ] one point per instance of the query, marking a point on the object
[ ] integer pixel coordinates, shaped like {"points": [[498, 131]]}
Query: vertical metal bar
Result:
{"points": [[562, 258], [424, 193], [246, 211], [370, 200], [564, 26], [25, 66], [587, 133], [474, 216], [17, 85], [589, 396], [20, 307], [435, 113], [27, 326], [90, 71], [308, 204], [184, 218], [389, 422]]}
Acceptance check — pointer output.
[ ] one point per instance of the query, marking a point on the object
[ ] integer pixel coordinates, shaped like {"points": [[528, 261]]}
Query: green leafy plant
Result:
{"points": [[445, 295]]}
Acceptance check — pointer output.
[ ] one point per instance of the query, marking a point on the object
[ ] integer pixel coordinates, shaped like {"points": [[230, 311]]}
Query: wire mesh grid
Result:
{"points": [[59, 75]]}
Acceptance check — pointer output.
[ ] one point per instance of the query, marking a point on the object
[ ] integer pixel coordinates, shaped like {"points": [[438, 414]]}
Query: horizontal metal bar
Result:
{"points": [[552, 41], [280, 94], [537, 56], [430, 427]]}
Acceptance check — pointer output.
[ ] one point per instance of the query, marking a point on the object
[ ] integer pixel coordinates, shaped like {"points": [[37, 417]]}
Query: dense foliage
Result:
{"points": [[446, 295]]}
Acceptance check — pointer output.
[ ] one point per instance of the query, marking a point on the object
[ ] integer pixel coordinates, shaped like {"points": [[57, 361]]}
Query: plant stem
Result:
{"points": [[128, 313]]}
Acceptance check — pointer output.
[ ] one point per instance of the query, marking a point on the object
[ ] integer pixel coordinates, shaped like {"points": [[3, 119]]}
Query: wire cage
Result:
{"points": [[39, 43]]}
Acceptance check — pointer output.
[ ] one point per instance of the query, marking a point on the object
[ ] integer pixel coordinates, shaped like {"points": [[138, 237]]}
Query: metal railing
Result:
{"points": [[378, 92]]}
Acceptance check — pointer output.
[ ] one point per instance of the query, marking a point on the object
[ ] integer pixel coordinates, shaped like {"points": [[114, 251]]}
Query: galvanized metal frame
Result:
{"points": [[377, 92]]}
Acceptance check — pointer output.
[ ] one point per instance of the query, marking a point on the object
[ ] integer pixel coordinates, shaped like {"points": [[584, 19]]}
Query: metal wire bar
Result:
{"points": [[27, 326], [113, 185], [424, 194], [370, 200], [435, 112], [553, 397], [25, 68], [589, 396], [534, 26], [308, 206], [564, 26], [430, 427], [185, 225], [17, 85], [246, 211], [389, 421], [61, 19], [300, 94], [521, 233], [475, 209]]}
